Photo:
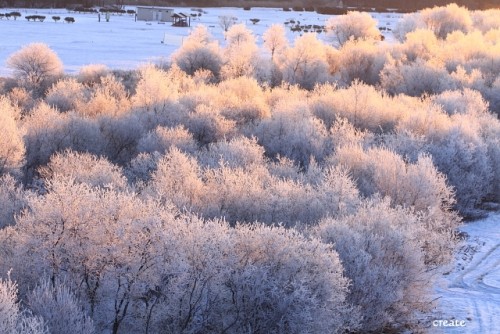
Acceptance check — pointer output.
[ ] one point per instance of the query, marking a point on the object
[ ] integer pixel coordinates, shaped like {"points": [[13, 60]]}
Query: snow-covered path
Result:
{"points": [[471, 292]]}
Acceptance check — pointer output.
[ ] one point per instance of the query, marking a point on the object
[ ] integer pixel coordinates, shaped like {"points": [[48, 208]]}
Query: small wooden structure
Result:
{"points": [[160, 14], [181, 20]]}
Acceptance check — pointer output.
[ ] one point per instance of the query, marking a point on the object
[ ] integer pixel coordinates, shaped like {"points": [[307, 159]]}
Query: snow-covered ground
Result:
{"points": [[471, 292], [123, 43]]}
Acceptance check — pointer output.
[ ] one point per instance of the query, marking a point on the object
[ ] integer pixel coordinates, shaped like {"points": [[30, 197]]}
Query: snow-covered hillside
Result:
{"points": [[471, 293], [123, 43]]}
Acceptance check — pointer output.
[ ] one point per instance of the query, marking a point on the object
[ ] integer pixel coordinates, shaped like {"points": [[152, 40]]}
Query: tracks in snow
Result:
{"points": [[472, 291]]}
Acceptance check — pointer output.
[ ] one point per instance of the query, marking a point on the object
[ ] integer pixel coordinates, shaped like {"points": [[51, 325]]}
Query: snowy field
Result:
{"points": [[471, 293], [123, 43]]}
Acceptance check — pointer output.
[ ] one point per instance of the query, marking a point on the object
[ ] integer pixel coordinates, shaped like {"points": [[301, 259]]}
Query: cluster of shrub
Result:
{"points": [[116, 11], [40, 18], [80, 9], [306, 188], [15, 15]]}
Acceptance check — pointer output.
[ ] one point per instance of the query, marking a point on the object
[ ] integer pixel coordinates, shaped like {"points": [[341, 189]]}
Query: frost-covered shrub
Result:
{"points": [[415, 79], [13, 319], [238, 152], [419, 44], [273, 281], [199, 52], [162, 138], [241, 56], [292, 132], [419, 186], [456, 146], [12, 148], [120, 136], [85, 168], [76, 224], [485, 20], [141, 167], [294, 293], [109, 97], [92, 74], [441, 20], [177, 179], [154, 90], [444, 20], [12, 200], [353, 25], [47, 131], [465, 101], [35, 65], [360, 60], [44, 129], [465, 162], [379, 252], [207, 125], [362, 105], [305, 64], [60, 308], [251, 193], [67, 94], [22, 99], [242, 101]]}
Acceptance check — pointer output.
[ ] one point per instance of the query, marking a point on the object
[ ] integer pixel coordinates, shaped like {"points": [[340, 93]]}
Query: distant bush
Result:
{"points": [[15, 15], [69, 19], [40, 18], [331, 10], [85, 10], [56, 18]]}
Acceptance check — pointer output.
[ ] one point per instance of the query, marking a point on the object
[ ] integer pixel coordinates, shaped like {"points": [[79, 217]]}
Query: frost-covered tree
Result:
{"points": [[305, 64], [353, 25], [198, 52], [227, 21], [35, 65], [153, 89], [275, 40], [241, 52]]}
